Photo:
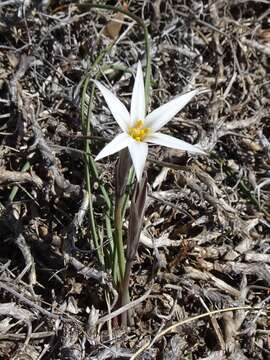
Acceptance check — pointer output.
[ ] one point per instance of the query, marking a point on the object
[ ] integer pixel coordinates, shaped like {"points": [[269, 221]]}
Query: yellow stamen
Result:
{"points": [[138, 132]]}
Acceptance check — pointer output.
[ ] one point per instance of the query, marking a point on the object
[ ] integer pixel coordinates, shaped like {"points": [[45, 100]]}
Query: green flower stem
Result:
{"points": [[90, 164], [93, 226], [119, 202], [86, 130], [126, 315], [131, 178]]}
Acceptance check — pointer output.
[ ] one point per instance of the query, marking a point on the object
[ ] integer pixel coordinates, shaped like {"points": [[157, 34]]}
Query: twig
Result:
{"points": [[69, 241], [33, 336], [15, 226], [7, 177], [89, 273], [28, 302], [124, 308], [257, 46], [186, 321], [49, 158], [11, 309]]}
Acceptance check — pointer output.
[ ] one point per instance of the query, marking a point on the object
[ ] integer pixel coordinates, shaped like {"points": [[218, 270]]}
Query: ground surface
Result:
{"points": [[205, 243]]}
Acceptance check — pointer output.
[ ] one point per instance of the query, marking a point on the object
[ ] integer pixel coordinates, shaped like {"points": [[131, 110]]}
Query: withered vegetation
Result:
{"points": [[205, 243]]}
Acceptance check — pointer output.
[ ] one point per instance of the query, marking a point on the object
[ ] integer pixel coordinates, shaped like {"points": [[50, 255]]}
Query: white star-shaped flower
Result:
{"points": [[138, 129]]}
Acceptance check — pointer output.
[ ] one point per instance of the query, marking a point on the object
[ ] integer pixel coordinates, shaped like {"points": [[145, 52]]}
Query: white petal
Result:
{"points": [[172, 142], [118, 143], [166, 112], [137, 109], [138, 152], [117, 108]]}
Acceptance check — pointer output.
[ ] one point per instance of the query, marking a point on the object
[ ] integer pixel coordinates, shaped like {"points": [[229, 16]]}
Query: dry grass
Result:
{"points": [[205, 244]]}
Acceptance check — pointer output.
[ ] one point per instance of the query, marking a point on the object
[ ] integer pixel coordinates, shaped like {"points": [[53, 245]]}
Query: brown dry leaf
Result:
{"points": [[264, 35], [113, 28], [13, 59]]}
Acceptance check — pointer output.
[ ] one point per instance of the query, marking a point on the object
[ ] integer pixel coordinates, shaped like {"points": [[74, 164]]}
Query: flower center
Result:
{"points": [[138, 132]]}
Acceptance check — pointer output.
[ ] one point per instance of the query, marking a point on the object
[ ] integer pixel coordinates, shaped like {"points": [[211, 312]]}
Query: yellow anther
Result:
{"points": [[138, 132], [139, 123]]}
